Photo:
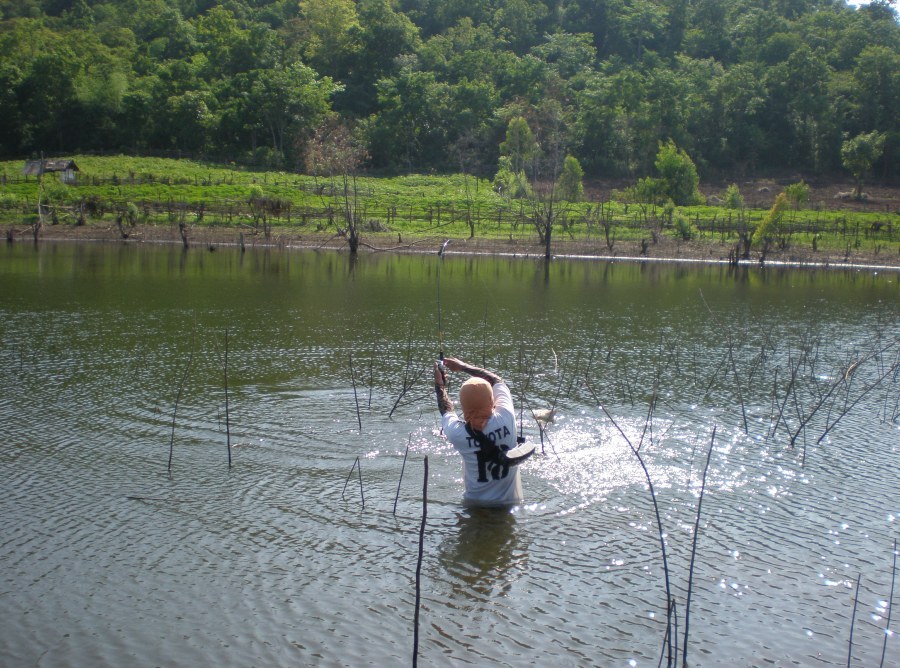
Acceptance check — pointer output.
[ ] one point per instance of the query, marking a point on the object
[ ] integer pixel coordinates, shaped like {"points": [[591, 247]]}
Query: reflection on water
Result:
{"points": [[265, 563], [484, 555]]}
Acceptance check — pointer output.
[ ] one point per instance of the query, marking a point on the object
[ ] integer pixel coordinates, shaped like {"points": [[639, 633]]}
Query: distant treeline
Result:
{"points": [[744, 86]]}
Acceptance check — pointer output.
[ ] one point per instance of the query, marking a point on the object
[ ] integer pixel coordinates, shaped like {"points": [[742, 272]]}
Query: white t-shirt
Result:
{"points": [[488, 484]]}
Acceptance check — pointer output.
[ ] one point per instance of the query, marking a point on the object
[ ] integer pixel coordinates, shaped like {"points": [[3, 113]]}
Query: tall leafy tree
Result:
{"points": [[742, 97], [288, 103], [10, 118], [382, 37], [570, 56], [162, 32], [327, 35], [520, 145], [519, 22], [410, 129], [48, 100], [877, 77], [641, 23], [860, 154]]}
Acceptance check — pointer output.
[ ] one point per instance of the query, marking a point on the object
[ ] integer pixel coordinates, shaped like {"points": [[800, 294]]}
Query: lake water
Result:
{"points": [[295, 556]]}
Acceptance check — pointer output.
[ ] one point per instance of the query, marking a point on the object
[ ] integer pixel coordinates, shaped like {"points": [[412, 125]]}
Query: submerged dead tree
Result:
{"points": [[411, 375], [335, 153]]}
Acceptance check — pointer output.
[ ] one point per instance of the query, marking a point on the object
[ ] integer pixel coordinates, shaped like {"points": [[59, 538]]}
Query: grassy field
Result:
{"points": [[128, 192]]}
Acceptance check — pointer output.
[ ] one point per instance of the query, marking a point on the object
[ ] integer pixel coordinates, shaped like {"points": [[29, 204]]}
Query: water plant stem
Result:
{"points": [[419, 566], [358, 468], [853, 620], [402, 469], [227, 420], [687, 604], [887, 624], [355, 395]]}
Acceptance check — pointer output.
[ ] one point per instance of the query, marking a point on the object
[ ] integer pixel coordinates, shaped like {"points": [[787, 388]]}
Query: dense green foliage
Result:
{"points": [[742, 86]]}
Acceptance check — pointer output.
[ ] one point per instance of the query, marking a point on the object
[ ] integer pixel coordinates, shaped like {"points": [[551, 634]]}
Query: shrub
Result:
{"points": [[678, 174], [510, 183], [55, 192], [8, 201], [255, 193], [683, 227], [733, 198], [571, 187], [768, 226], [797, 194], [647, 191]]}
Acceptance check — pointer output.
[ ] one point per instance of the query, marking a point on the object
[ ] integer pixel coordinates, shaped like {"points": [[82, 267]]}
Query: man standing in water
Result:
{"points": [[486, 437]]}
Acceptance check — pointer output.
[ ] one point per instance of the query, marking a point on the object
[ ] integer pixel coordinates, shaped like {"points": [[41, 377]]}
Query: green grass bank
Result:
{"points": [[152, 199]]}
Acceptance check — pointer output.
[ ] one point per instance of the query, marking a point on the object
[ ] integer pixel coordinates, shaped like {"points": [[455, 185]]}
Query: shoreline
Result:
{"points": [[666, 250]]}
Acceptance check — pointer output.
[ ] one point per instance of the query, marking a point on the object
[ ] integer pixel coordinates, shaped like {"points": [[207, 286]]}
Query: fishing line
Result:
{"points": [[520, 439], [440, 324]]}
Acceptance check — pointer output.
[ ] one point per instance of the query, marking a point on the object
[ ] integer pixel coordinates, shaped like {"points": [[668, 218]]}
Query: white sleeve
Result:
{"points": [[503, 399]]}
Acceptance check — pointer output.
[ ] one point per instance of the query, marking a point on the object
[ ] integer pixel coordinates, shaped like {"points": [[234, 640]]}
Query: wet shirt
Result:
{"points": [[488, 483]]}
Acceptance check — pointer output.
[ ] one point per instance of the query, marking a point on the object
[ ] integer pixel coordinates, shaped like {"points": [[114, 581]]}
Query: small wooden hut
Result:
{"points": [[65, 168]]}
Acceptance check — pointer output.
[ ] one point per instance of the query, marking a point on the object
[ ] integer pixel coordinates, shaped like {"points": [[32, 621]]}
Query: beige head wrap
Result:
{"points": [[477, 399]]}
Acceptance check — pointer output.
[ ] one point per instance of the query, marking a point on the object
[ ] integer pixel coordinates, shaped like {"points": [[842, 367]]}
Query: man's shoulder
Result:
{"points": [[502, 395]]}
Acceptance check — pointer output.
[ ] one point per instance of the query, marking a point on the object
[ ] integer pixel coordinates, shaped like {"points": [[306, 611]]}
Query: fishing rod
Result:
{"points": [[440, 325]]}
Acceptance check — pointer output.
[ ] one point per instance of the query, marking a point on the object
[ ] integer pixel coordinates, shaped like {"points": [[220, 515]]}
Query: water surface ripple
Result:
{"points": [[297, 554]]}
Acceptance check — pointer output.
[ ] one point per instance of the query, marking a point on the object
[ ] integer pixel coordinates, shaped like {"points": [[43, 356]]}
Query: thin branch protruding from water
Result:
{"points": [[887, 625], [227, 420], [419, 566], [355, 395], [687, 605], [409, 379], [402, 469], [356, 465], [853, 620]]}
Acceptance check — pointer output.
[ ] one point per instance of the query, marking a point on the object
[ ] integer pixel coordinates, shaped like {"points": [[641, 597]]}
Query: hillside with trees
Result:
{"points": [[744, 87]]}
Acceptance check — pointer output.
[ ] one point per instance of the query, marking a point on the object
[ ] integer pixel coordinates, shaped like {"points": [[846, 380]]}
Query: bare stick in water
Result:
{"points": [[887, 625], [419, 566], [358, 468], [355, 396], [687, 604], [371, 379], [227, 422], [853, 619], [402, 469]]}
